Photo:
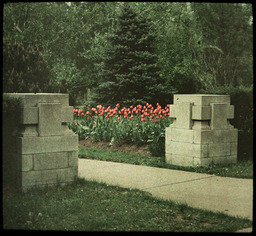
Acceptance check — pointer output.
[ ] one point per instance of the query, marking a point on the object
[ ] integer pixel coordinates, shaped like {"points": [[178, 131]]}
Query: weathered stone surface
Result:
{"points": [[27, 130], [33, 145], [201, 125], [32, 99], [188, 149], [182, 160], [27, 162], [28, 115], [47, 161], [219, 149], [233, 149], [168, 158], [201, 133], [183, 113], [46, 151], [36, 178], [66, 114], [201, 112], [168, 134], [215, 136], [201, 99], [230, 112], [73, 158], [49, 119], [219, 116], [182, 135]]}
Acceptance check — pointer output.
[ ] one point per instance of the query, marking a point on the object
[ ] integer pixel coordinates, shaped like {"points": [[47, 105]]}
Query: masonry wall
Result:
{"points": [[41, 148], [201, 133]]}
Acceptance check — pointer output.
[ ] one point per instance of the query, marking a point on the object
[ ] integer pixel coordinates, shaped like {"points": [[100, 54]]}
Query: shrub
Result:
{"points": [[136, 124], [10, 104]]}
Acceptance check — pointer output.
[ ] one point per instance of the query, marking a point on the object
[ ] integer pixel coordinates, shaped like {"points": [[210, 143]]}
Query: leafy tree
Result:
{"points": [[176, 43], [69, 47], [130, 72], [24, 67], [225, 37]]}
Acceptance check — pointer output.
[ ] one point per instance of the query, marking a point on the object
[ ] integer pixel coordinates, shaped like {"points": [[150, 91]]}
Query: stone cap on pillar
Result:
{"points": [[201, 99], [201, 110], [32, 99], [47, 111]]}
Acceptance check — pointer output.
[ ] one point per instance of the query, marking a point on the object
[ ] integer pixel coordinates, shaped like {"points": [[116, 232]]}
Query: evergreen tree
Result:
{"points": [[130, 73]]}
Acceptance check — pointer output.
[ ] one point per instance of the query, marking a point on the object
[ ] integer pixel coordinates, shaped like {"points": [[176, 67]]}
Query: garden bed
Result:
{"points": [[120, 147]]}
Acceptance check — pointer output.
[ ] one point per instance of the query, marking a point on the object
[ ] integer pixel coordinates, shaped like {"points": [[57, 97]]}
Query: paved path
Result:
{"points": [[231, 196]]}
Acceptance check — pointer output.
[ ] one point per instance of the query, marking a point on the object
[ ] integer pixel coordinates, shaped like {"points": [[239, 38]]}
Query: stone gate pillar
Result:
{"points": [[45, 151], [201, 133]]}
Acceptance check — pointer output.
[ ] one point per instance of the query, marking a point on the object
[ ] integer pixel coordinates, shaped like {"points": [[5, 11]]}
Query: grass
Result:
{"points": [[242, 169], [90, 206]]}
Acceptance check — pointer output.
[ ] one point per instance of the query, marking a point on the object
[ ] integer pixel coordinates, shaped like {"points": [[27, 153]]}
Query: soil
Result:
{"points": [[121, 147]]}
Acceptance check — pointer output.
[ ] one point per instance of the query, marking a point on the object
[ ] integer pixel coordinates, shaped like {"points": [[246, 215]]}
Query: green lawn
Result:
{"points": [[91, 206], [242, 169]]}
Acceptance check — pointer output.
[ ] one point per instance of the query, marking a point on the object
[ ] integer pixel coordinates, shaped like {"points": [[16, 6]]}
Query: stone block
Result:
{"points": [[183, 115], [219, 149], [65, 130], [43, 177], [224, 160], [201, 131], [182, 135], [201, 125], [168, 134], [232, 159], [188, 149], [27, 130], [215, 136], [181, 160], [32, 99], [27, 162], [28, 115], [49, 119], [45, 151], [66, 114], [207, 161], [202, 162], [172, 111], [230, 112], [233, 149], [48, 161], [73, 159], [168, 158], [219, 116], [34, 145], [201, 112], [201, 99]]}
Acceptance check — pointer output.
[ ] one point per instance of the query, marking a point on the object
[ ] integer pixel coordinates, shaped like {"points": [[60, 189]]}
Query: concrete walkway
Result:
{"points": [[231, 196]]}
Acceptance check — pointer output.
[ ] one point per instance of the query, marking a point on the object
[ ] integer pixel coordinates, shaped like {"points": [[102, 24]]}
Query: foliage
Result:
{"points": [[136, 124], [225, 37], [10, 104], [24, 68], [130, 72], [195, 45], [71, 47], [34, 39], [176, 44]]}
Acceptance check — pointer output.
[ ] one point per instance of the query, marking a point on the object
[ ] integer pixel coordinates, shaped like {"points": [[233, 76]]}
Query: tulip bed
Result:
{"points": [[136, 124]]}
